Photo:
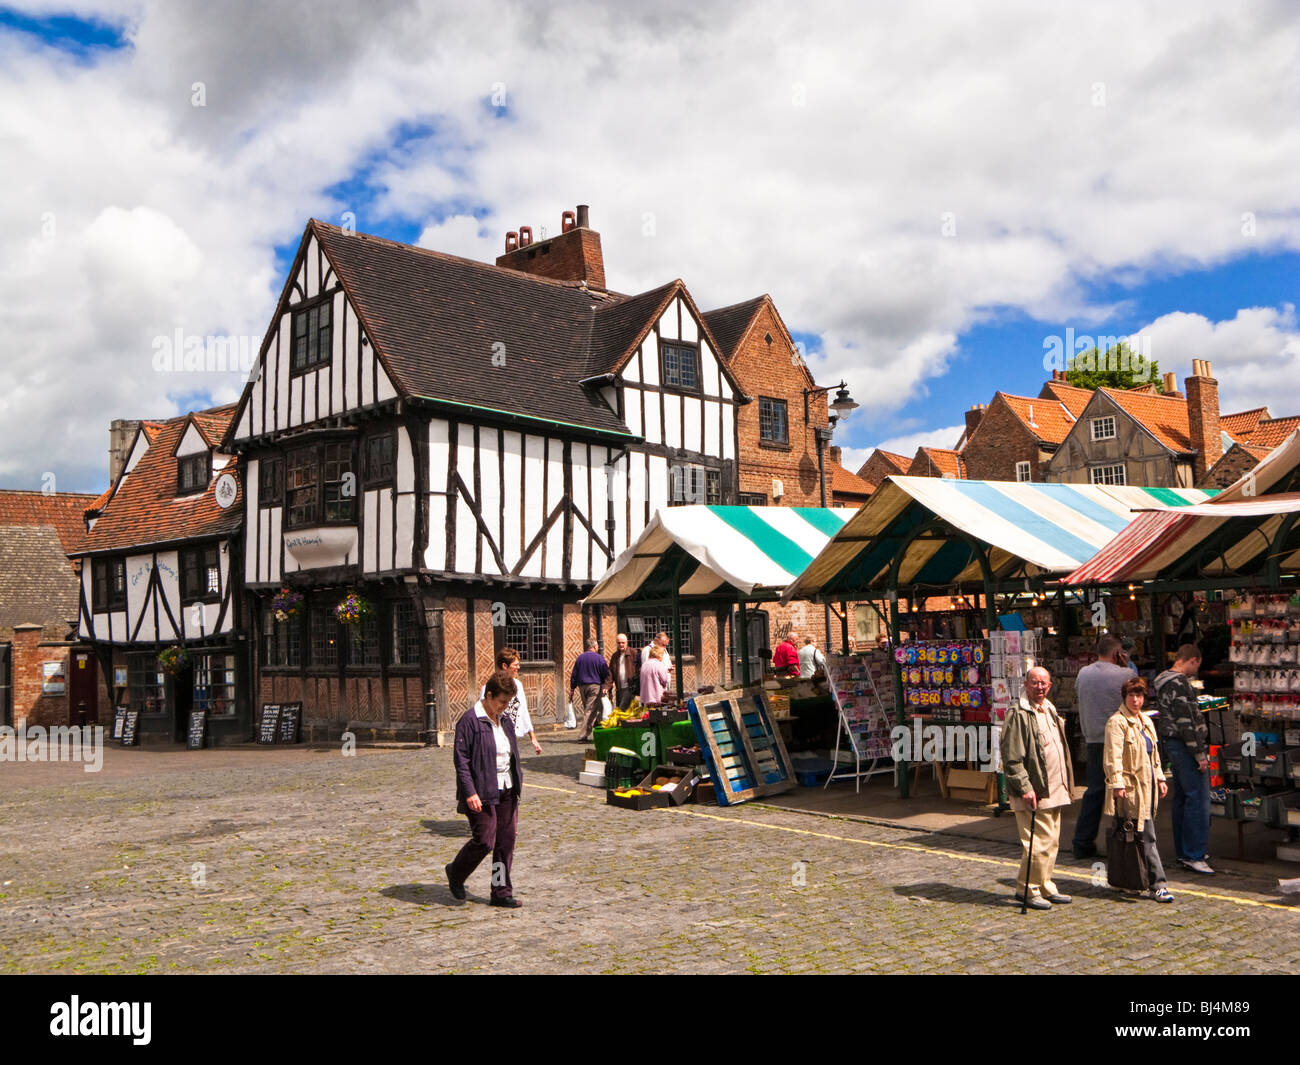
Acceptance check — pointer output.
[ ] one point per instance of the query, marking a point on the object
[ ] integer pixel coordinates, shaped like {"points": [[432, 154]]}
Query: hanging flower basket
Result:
{"points": [[173, 659], [352, 609], [286, 604]]}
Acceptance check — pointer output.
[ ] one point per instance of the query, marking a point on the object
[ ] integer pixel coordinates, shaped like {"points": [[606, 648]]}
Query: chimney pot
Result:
{"points": [[584, 220], [566, 221], [512, 241], [1171, 383], [525, 236]]}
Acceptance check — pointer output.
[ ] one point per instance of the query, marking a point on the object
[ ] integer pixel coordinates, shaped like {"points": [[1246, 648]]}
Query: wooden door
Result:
{"points": [[83, 686]]}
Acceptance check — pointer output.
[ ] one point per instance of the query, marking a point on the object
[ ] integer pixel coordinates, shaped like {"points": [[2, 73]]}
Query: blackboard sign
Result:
{"points": [[269, 726], [128, 727], [119, 720], [198, 726], [290, 717]]}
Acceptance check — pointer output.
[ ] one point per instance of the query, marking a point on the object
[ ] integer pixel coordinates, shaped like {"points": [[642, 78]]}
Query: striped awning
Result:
{"points": [[713, 551], [1234, 534], [1029, 529]]}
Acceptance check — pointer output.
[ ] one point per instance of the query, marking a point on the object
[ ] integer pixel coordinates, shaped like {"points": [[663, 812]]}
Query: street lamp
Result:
{"points": [[840, 407]]}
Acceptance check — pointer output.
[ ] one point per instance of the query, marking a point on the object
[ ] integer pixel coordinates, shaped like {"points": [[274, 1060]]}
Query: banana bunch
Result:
{"points": [[618, 717]]}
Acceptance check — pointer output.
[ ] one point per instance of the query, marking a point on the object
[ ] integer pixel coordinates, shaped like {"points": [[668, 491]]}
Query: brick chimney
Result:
{"points": [[973, 418], [573, 254], [834, 452], [121, 432], [1203, 417]]}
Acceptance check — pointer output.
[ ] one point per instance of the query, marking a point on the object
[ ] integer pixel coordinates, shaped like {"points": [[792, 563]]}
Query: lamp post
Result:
{"points": [[840, 407]]}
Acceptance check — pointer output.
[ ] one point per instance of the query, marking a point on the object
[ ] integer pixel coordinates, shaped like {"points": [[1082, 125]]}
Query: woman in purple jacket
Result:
{"points": [[488, 785]]}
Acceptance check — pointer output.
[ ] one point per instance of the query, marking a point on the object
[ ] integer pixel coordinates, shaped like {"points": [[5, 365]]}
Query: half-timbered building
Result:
{"points": [[466, 447], [160, 568]]}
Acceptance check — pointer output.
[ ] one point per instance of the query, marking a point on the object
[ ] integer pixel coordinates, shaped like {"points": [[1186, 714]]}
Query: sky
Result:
{"points": [[938, 196]]}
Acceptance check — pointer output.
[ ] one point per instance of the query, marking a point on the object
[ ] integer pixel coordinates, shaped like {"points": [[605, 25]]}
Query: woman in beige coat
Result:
{"points": [[1134, 778]]}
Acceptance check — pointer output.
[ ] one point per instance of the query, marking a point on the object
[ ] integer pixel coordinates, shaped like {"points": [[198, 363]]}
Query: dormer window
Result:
{"points": [[192, 473], [312, 333]]}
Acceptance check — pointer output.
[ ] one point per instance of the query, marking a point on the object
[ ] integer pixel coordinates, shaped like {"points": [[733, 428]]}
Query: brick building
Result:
{"points": [[45, 673], [881, 464], [1255, 437]]}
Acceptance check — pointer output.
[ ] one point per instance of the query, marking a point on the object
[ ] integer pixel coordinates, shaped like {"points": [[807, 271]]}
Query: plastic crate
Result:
{"points": [[622, 769], [1273, 763], [1284, 809], [1253, 805]]}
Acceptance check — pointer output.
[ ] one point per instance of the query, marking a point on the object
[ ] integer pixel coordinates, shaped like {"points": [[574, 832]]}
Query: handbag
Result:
{"points": [[1126, 865]]}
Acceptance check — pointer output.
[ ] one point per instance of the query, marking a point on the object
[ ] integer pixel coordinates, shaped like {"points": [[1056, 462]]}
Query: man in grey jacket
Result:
{"points": [[1184, 736], [1098, 692]]}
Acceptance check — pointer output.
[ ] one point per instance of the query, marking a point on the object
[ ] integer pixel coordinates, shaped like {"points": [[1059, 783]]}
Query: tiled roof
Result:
{"points": [[62, 511], [1048, 419], [728, 324], [436, 320], [937, 462], [145, 508], [1163, 417], [1272, 431], [1074, 398], [844, 482], [37, 582], [619, 325], [883, 463], [1241, 424]]}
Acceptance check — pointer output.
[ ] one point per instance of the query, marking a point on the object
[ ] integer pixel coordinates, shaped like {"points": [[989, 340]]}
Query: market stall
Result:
{"points": [[991, 548], [1239, 556], [712, 557]]}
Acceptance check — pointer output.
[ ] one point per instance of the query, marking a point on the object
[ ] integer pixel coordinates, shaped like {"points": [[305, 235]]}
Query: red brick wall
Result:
{"points": [[767, 370], [1001, 441], [28, 700], [571, 256], [456, 665], [1228, 469], [1203, 418]]}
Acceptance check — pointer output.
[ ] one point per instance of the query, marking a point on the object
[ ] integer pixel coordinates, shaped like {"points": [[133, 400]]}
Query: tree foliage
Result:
{"points": [[1119, 367]]}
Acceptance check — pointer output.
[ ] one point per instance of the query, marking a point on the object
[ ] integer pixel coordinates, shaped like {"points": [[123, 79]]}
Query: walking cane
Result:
{"points": [[1029, 861]]}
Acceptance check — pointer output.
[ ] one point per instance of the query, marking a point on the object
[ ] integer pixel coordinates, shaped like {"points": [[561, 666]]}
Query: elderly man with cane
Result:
{"points": [[1040, 781]]}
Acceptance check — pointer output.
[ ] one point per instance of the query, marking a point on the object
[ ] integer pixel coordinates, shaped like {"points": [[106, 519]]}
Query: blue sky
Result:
{"points": [[1098, 163]]}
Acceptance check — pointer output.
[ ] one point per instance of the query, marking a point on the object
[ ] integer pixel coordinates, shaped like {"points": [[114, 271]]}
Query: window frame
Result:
{"points": [[317, 338], [205, 667], [275, 496], [106, 593], [327, 491], [282, 641], [405, 644], [540, 627], [197, 563], [639, 634], [747, 499], [328, 625], [774, 404], [686, 347], [185, 462], [143, 677], [1101, 420], [1027, 468], [378, 478], [1093, 472]]}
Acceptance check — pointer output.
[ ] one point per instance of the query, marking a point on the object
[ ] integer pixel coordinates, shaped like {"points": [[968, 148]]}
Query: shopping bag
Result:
{"points": [[1126, 866], [570, 718], [606, 707]]}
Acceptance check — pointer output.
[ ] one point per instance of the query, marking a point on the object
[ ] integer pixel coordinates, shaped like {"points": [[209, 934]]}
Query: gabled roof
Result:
{"points": [[1074, 398], [844, 482], [622, 324], [144, 508], [1241, 424], [888, 461], [937, 462], [730, 324], [1047, 418], [1164, 417], [60, 511]]}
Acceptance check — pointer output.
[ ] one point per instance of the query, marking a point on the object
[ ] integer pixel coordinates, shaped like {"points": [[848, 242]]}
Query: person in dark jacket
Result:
{"points": [[587, 681], [1184, 737], [488, 786], [624, 671]]}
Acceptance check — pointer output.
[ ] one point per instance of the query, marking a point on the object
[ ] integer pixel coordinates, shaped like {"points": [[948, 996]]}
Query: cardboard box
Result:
{"points": [[684, 780]]}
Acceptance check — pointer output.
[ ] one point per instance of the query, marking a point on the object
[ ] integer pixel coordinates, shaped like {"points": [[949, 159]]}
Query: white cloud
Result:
{"points": [[890, 175], [1255, 355], [907, 445]]}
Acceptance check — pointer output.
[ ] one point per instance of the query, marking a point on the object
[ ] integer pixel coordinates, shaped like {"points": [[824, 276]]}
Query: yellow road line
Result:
{"points": [[957, 855], [543, 787]]}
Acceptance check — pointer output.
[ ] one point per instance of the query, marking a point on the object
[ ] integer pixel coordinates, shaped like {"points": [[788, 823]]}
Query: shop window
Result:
{"points": [[108, 581], [528, 631], [1103, 428], [379, 459], [363, 642], [408, 638], [200, 572], [641, 629], [146, 683], [321, 485], [312, 332], [270, 482], [773, 425], [679, 367], [214, 684], [324, 638], [1108, 475], [192, 473], [1023, 471], [281, 640]]}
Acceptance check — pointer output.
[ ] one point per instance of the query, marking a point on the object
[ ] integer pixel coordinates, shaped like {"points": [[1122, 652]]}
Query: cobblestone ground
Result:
{"points": [[294, 860]]}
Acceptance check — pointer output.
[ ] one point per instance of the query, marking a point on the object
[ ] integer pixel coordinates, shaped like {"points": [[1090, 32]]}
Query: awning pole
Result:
{"points": [[678, 663], [844, 627], [743, 637], [899, 708]]}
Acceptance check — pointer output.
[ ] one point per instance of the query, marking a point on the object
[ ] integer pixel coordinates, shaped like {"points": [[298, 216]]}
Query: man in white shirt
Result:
{"points": [[810, 659], [661, 638]]}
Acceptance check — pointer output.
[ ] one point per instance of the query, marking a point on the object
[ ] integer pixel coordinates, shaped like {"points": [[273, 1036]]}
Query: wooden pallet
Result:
{"points": [[742, 746]]}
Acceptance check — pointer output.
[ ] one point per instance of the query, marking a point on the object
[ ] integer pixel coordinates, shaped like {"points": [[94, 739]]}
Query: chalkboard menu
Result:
{"points": [[268, 729], [128, 728], [290, 717], [119, 720], [198, 726]]}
